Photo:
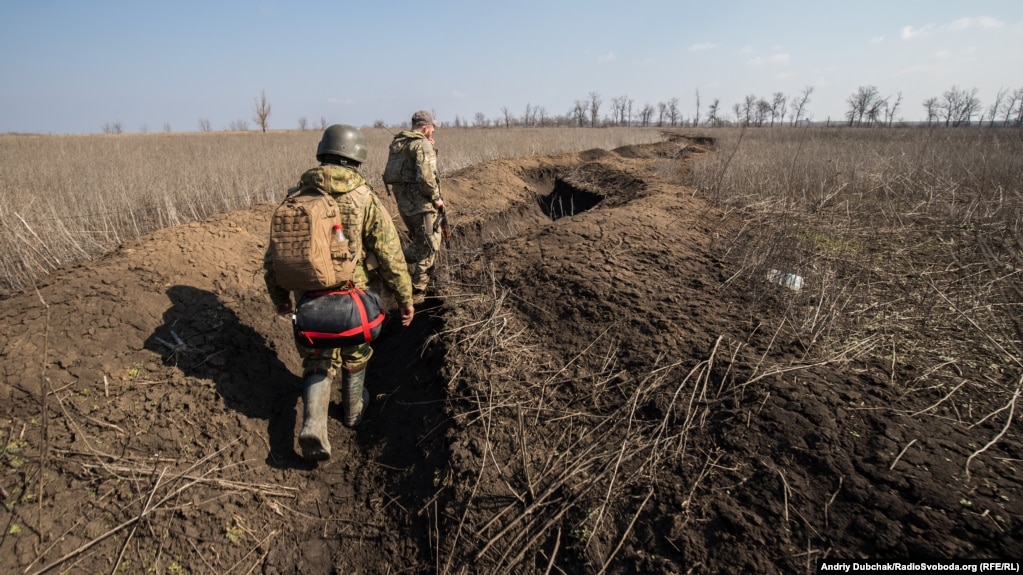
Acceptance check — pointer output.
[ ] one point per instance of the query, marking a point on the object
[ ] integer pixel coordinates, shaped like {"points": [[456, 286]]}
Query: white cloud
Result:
{"points": [[877, 40], [779, 59], [609, 57], [702, 47], [458, 95], [984, 22], [909, 32]]}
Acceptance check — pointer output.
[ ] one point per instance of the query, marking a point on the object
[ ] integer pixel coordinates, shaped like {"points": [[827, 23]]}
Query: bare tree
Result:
{"points": [[238, 126], [931, 107], [508, 119], [799, 105], [261, 115], [323, 122], [303, 123], [594, 108], [662, 112], [696, 118], [712, 112], [645, 114], [748, 108], [778, 105], [1014, 108], [875, 111], [959, 106], [578, 113], [889, 111], [480, 120], [540, 115], [1018, 95], [204, 125], [619, 106], [167, 127], [113, 128], [996, 106], [763, 111], [673, 111], [861, 102]]}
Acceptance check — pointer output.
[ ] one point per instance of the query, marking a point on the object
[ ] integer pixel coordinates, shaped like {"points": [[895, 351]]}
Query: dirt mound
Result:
{"points": [[590, 390]]}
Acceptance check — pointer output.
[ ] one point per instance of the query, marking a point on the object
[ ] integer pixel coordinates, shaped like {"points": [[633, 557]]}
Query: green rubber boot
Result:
{"points": [[313, 437], [354, 396]]}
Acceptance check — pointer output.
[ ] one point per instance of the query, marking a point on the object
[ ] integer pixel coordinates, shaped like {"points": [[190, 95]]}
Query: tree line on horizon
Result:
{"points": [[866, 107], [956, 107]]}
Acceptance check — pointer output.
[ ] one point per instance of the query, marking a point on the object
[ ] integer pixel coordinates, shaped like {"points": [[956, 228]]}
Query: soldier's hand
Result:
{"points": [[406, 315], [439, 203]]}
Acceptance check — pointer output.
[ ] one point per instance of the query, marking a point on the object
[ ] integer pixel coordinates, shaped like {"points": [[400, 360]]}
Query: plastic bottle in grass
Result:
{"points": [[791, 281]]}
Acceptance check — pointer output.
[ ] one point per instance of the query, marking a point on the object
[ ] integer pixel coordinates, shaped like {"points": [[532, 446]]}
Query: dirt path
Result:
{"points": [[591, 391]]}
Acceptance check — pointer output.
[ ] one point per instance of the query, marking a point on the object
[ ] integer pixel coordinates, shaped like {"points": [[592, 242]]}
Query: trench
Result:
{"points": [[539, 198], [549, 199], [565, 199]]}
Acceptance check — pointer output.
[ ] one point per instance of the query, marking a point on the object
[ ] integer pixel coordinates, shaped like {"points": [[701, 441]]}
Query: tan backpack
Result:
{"points": [[306, 254], [399, 169]]}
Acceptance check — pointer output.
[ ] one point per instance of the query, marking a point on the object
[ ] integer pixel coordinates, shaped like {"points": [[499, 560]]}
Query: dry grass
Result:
{"points": [[910, 238], [580, 461], [68, 198], [910, 243]]}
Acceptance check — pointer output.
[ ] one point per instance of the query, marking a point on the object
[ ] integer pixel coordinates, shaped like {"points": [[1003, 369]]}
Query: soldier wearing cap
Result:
{"points": [[411, 173]]}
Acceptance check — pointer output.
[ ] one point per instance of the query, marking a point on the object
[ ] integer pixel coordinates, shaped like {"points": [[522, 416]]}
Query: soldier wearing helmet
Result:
{"points": [[412, 174], [375, 245]]}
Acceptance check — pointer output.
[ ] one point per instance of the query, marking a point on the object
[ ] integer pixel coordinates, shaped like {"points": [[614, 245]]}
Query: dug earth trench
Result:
{"points": [[587, 391]]}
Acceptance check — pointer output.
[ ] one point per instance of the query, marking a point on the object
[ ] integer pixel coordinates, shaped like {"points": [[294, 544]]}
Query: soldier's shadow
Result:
{"points": [[206, 339]]}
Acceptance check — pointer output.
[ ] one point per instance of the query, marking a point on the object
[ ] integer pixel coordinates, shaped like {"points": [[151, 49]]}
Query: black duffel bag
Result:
{"points": [[338, 318]]}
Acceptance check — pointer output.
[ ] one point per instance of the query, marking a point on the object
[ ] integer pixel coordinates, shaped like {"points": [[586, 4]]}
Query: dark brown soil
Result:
{"points": [[588, 392]]}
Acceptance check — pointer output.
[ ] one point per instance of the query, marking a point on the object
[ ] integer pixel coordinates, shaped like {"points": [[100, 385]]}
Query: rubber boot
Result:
{"points": [[354, 396], [313, 437]]}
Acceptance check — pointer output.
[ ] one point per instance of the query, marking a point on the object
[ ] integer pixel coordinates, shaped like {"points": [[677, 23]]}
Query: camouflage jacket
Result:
{"points": [[369, 229], [419, 184]]}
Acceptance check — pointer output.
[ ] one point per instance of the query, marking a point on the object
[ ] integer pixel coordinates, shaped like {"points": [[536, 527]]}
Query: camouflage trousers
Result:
{"points": [[424, 243], [329, 361]]}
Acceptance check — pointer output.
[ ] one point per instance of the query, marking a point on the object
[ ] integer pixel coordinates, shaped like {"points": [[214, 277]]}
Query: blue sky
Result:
{"points": [[72, 66]]}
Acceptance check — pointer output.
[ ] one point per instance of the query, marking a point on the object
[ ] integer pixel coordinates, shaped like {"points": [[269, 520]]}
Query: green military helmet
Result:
{"points": [[345, 141]]}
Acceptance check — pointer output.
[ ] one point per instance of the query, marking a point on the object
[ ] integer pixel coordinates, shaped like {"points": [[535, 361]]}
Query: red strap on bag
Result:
{"points": [[354, 331], [366, 327]]}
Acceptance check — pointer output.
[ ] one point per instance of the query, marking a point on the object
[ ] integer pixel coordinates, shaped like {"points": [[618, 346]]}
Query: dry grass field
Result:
{"points": [[607, 380], [68, 198], [913, 238]]}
